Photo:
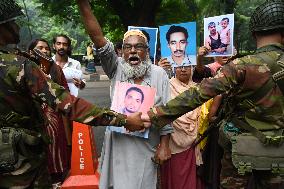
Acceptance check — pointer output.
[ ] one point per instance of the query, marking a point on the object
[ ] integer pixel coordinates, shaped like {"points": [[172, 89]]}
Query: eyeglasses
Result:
{"points": [[138, 47], [183, 67]]}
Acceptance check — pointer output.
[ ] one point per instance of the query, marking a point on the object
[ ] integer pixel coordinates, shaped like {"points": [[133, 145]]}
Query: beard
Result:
{"points": [[136, 71], [61, 52]]}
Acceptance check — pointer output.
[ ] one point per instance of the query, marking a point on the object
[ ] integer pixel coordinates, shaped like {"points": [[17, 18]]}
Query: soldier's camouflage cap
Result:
{"points": [[268, 16], [9, 10]]}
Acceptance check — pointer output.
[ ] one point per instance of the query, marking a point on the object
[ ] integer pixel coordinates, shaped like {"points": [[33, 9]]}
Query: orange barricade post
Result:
{"points": [[84, 161]]}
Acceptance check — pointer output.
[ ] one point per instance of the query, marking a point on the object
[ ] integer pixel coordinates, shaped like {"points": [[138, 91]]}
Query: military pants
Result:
{"points": [[28, 176], [230, 179]]}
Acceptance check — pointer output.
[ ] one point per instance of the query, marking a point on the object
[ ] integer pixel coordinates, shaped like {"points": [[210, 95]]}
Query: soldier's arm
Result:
{"points": [[58, 98], [228, 78]]}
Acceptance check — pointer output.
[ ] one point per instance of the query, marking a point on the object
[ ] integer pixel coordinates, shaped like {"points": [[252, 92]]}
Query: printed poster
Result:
{"points": [[178, 43], [218, 35], [130, 98]]}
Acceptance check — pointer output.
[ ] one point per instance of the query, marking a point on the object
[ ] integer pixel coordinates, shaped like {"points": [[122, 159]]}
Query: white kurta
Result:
{"points": [[72, 69]]}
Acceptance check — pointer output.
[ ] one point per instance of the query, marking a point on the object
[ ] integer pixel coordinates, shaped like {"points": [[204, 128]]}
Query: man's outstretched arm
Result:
{"points": [[91, 24], [58, 98], [105, 50]]}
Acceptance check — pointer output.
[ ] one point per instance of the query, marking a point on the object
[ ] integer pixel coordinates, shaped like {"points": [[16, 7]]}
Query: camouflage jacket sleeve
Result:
{"points": [[46, 91], [229, 78]]}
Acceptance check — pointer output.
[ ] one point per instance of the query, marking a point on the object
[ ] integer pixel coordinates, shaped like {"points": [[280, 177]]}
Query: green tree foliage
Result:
{"points": [[116, 15], [172, 11], [47, 27], [243, 37], [49, 17]]}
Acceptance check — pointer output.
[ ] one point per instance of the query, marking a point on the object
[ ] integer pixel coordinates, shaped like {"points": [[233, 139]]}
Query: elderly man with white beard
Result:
{"points": [[126, 160]]}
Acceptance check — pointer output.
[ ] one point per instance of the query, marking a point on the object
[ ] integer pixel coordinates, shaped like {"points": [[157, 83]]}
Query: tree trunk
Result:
{"points": [[136, 13], [229, 6]]}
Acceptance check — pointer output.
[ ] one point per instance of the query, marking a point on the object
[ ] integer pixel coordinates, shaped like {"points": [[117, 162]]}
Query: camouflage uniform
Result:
{"points": [[241, 78], [255, 102], [23, 87]]}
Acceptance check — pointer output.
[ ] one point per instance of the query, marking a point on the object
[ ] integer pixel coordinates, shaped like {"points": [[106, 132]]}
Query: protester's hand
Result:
{"points": [[220, 50], [146, 120], [134, 122], [202, 51], [78, 83], [162, 154], [164, 63]]}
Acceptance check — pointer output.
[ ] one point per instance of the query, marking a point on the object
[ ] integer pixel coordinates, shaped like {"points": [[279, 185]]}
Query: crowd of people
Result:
{"points": [[212, 126]]}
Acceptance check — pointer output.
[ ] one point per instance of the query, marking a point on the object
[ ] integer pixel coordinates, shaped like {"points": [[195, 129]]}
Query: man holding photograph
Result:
{"points": [[124, 156]]}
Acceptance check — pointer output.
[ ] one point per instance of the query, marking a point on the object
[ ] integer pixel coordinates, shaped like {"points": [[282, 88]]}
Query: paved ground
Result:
{"points": [[98, 76], [97, 93]]}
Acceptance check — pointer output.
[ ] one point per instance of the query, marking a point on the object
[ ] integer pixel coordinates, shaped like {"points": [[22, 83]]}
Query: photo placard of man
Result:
{"points": [[136, 98], [133, 100], [178, 43]]}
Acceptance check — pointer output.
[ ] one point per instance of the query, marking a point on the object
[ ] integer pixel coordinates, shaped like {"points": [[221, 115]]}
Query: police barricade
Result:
{"points": [[84, 161]]}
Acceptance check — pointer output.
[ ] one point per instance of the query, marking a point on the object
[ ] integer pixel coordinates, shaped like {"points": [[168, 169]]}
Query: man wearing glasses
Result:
{"points": [[126, 160]]}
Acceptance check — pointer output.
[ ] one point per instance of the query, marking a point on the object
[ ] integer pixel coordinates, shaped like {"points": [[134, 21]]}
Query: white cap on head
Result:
{"points": [[134, 32]]}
